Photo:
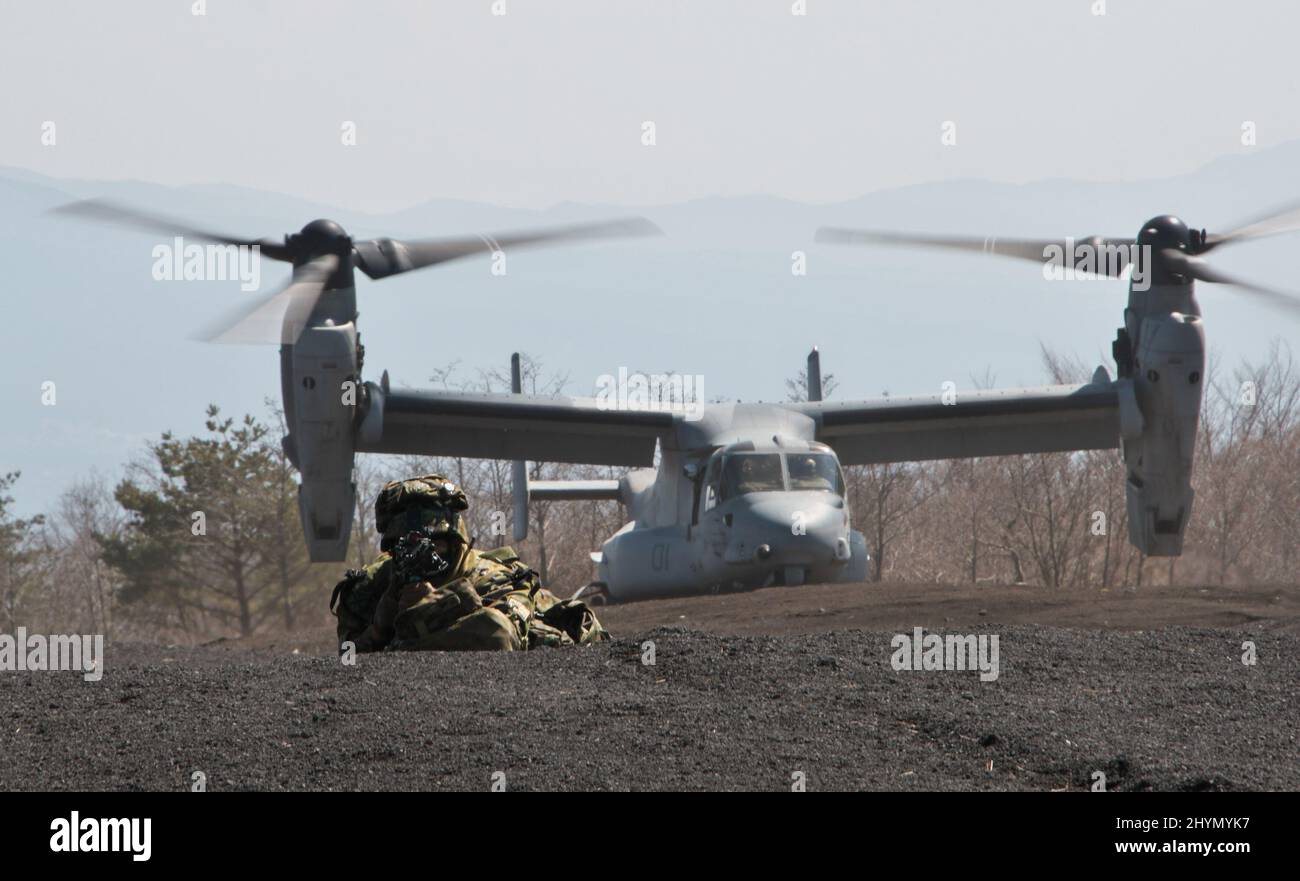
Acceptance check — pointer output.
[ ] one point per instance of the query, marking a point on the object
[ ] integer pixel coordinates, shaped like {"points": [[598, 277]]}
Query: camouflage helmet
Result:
{"points": [[431, 500]]}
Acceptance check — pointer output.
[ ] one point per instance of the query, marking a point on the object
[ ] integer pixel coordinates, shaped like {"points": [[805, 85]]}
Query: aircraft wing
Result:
{"points": [[546, 429], [976, 423]]}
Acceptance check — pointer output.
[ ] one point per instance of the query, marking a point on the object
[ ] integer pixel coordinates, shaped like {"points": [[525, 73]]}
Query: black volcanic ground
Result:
{"points": [[747, 690]]}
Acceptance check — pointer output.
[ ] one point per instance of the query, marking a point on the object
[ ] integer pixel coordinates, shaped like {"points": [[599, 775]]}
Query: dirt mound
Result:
{"points": [[899, 607], [1171, 709]]}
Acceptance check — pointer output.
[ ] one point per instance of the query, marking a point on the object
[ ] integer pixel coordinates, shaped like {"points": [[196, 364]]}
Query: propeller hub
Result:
{"points": [[322, 237], [1165, 231], [1160, 235]]}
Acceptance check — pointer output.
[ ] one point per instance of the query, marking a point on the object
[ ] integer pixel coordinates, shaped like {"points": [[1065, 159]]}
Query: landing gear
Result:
{"points": [[594, 594]]}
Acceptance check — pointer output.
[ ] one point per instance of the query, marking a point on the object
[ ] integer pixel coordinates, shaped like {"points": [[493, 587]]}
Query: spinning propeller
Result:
{"points": [[1175, 252], [323, 256]]}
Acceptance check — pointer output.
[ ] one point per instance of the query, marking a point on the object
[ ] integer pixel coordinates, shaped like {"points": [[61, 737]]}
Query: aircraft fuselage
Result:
{"points": [[749, 514]]}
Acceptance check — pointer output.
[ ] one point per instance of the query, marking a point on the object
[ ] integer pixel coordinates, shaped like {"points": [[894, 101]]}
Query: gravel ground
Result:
{"points": [[1172, 708]]}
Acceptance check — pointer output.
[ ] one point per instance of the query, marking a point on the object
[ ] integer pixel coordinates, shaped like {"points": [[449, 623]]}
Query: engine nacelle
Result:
{"points": [[321, 386], [1160, 407]]}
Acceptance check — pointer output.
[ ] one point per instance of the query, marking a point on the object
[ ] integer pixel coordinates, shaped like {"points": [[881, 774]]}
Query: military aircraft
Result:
{"points": [[742, 495], [739, 494], [752, 494]]}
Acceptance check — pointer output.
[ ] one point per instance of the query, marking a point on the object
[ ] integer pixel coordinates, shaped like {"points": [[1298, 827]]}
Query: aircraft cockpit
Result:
{"points": [[793, 466]]}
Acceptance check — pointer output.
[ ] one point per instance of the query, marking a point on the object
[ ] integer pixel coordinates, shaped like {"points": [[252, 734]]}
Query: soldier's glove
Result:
{"points": [[423, 609], [380, 632]]}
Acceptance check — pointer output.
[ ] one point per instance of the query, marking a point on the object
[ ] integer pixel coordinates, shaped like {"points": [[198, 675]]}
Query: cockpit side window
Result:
{"points": [[815, 471], [751, 473]]}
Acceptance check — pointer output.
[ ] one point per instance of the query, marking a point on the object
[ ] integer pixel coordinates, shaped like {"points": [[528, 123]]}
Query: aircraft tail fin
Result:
{"points": [[518, 468], [814, 375]]}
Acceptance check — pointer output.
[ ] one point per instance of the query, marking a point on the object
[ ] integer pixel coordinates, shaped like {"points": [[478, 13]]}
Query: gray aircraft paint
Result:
{"points": [[672, 543]]}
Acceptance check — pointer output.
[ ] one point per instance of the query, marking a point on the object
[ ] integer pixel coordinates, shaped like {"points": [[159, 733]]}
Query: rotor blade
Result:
{"points": [[1111, 256], [104, 211], [1285, 218], [1198, 269], [280, 317], [380, 258]]}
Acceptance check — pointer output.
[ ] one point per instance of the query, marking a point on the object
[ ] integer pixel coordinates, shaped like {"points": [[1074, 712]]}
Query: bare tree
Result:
{"points": [[78, 572], [19, 556]]}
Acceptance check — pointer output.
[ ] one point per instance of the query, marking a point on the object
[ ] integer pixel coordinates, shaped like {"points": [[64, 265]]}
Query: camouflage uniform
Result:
{"points": [[485, 601]]}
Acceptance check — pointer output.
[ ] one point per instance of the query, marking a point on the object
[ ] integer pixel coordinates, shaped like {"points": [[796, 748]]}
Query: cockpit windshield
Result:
{"points": [[751, 473], [743, 473], [815, 471]]}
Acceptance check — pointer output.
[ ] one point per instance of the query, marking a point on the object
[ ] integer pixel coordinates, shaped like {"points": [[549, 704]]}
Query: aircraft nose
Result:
{"points": [[790, 530]]}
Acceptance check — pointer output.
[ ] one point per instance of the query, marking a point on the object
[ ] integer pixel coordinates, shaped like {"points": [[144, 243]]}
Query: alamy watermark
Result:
{"points": [[178, 261], [1095, 259], [653, 392], [76, 834], [55, 653], [935, 651]]}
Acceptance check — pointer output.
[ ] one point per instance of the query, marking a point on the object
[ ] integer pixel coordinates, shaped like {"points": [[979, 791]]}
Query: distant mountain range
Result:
{"points": [[715, 296]]}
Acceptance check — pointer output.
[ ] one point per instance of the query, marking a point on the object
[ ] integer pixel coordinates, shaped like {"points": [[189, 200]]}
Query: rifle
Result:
{"points": [[417, 559]]}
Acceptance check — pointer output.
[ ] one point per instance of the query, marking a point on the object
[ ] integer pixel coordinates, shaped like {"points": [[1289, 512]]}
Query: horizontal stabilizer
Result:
{"points": [[574, 490]]}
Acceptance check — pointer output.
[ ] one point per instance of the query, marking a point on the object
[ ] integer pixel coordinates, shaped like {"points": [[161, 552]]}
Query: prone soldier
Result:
{"points": [[430, 590]]}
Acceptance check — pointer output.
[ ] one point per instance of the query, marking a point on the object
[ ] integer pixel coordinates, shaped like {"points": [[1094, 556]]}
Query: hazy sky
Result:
{"points": [[546, 103]]}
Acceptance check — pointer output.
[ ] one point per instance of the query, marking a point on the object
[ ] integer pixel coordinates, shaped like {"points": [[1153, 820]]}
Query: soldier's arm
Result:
{"points": [[359, 602]]}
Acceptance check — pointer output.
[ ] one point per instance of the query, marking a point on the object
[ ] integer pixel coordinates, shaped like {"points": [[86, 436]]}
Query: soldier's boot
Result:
{"points": [[541, 634], [573, 619]]}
